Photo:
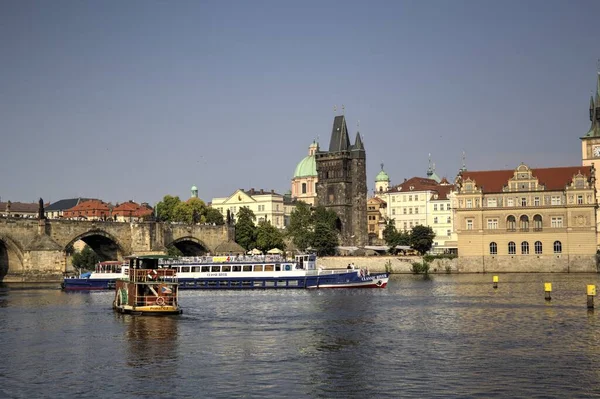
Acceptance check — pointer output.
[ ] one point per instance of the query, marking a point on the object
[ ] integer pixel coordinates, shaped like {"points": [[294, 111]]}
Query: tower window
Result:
{"points": [[303, 188]]}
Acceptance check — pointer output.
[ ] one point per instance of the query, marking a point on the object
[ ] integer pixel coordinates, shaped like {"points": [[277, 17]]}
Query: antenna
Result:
{"points": [[335, 109], [343, 109]]}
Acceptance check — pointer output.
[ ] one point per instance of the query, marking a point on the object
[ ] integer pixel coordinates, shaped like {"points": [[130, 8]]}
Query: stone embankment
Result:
{"points": [[395, 264]]}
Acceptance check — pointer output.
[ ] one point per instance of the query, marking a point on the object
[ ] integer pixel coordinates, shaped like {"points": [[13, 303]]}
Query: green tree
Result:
{"points": [[165, 209], [214, 216], [198, 210], [268, 237], [325, 239], [245, 229], [301, 226], [86, 259], [182, 213], [421, 238]]}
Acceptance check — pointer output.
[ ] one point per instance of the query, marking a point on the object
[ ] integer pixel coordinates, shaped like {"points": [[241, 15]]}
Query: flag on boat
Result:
{"points": [[166, 290]]}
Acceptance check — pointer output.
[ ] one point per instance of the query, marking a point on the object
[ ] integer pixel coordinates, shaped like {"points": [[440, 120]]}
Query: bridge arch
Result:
{"points": [[11, 256], [104, 244], [190, 246]]}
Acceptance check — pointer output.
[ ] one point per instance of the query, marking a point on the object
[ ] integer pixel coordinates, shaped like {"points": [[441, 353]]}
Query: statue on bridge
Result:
{"points": [[41, 213]]}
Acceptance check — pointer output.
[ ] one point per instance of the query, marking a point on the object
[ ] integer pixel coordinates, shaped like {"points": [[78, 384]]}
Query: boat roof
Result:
{"points": [[148, 257]]}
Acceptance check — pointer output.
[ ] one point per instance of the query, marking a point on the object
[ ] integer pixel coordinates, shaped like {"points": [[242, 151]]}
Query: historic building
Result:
{"points": [[382, 182], [91, 210], [376, 220], [590, 143], [342, 183], [304, 182], [423, 201], [526, 219], [56, 209], [266, 205], [131, 212]]}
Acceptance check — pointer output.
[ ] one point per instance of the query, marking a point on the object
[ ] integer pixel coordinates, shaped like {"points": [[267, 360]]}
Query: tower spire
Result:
{"points": [[464, 164]]}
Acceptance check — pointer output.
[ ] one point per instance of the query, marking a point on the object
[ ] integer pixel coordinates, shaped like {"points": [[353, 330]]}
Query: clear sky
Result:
{"points": [[124, 100]]}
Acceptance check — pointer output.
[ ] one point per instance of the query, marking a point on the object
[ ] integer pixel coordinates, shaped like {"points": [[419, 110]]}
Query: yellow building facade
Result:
{"points": [[266, 205], [526, 220]]}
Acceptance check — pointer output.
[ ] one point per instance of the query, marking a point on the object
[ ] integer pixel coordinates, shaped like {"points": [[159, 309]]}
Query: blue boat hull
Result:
{"points": [[86, 284]]}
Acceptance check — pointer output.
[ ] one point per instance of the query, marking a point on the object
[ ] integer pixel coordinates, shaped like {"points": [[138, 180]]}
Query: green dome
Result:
{"points": [[306, 167], [382, 176], [194, 188]]}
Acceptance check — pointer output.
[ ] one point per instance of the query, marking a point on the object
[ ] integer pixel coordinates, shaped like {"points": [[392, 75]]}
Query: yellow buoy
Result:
{"points": [[495, 281], [591, 293], [548, 290]]}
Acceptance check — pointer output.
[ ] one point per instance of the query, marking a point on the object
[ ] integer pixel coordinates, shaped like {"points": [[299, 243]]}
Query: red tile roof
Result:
{"points": [[131, 208], [493, 181], [417, 184], [20, 207]]}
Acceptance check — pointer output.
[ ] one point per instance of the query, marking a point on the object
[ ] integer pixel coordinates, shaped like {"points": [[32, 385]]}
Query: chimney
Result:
{"points": [[262, 191], [272, 191], [252, 191]]}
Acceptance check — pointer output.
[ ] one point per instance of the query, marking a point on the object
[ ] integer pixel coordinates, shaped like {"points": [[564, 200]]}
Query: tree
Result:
{"points": [[165, 209], [325, 239], [245, 229], [214, 216], [301, 226], [86, 259], [268, 237], [197, 209], [421, 238]]}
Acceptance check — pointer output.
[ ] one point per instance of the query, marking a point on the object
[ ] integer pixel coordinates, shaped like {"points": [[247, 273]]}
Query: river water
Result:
{"points": [[452, 336]]}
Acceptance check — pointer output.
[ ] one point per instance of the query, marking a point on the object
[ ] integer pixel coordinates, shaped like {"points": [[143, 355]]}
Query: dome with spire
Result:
{"points": [[308, 166], [382, 176]]}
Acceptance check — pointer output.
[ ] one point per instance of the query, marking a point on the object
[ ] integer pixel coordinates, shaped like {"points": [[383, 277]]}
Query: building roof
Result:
{"points": [[415, 184], [382, 176], [554, 179], [131, 208], [378, 200], [253, 192], [443, 191], [64, 204], [307, 167], [20, 207], [340, 141], [89, 205]]}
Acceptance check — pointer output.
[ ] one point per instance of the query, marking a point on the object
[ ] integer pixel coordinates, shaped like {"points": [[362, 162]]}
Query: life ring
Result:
{"points": [[160, 301], [153, 275], [228, 259], [379, 283]]}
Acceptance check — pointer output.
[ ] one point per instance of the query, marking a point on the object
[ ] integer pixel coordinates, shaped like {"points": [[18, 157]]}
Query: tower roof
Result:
{"points": [[339, 135], [307, 167], [382, 176]]}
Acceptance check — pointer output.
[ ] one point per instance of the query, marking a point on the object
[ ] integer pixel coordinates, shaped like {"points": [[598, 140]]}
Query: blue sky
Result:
{"points": [[138, 99]]}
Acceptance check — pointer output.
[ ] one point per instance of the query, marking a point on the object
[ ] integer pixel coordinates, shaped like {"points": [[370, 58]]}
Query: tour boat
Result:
{"points": [[148, 289], [102, 278], [267, 271]]}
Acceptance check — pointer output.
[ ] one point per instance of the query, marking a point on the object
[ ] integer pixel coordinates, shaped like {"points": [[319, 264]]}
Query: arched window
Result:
{"points": [[493, 248], [303, 188], [557, 247], [538, 247], [524, 223], [512, 248], [537, 223], [524, 248], [511, 223]]}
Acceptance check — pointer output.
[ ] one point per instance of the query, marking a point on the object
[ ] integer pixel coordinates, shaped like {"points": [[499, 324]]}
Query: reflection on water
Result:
{"points": [[450, 336]]}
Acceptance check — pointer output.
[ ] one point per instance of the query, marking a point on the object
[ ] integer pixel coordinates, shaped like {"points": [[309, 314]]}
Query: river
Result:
{"points": [[452, 336]]}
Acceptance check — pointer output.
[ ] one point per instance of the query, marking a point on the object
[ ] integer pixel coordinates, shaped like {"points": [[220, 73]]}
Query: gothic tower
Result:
{"points": [[342, 183]]}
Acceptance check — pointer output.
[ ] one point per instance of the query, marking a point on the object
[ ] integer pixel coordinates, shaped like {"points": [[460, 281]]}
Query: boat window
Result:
{"points": [[196, 269], [236, 268], [247, 268], [185, 269], [258, 268], [269, 268], [205, 269], [269, 283], [215, 269], [226, 269], [292, 283], [277, 268]]}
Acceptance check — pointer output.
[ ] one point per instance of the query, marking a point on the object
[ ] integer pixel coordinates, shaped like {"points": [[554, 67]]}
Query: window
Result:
{"points": [[556, 221], [524, 223], [448, 233], [523, 201], [536, 201], [393, 211], [393, 199], [303, 188], [416, 210], [511, 223], [405, 211], [447, 207], [469, 224], [557, 247], [449, 220], [435, 219], [538, 247], [410, 197], [510, 202], [524, 248], [410, 210], [405, 226], [493, 248], [580, 200], [555, 200], [492, 202], [416, 197], [435, 207], [469, 203], [492, 224], [512, 248], [537, 223]]}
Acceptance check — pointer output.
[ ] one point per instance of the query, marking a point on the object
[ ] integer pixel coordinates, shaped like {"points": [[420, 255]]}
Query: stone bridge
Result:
{"points": [[37, 250]]}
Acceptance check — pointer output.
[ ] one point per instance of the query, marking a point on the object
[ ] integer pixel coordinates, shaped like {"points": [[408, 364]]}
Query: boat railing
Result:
{"points": [[153, 300], [187, 260], [152, 275]]}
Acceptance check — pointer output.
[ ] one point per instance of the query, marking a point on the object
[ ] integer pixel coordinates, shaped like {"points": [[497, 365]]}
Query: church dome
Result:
{"points": [[194, 188], [382, 176], [308, 166]]}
